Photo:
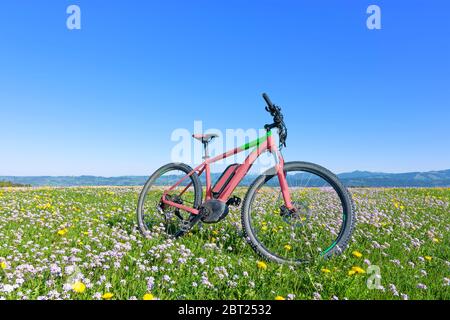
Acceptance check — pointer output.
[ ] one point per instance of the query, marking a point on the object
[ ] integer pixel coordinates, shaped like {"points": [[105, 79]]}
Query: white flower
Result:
{"points": [[446, 282], [67, 287], [150, 283], [97, 296], [421, 286], [69, 269], [8, 288], [317, 296]]}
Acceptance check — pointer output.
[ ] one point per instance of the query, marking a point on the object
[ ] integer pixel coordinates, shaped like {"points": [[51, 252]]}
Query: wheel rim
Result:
{"points": [[315, 227], [161, 218]]}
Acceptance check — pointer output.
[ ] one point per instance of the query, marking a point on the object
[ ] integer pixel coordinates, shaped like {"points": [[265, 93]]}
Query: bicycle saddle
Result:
{"points": [[205, 138]]}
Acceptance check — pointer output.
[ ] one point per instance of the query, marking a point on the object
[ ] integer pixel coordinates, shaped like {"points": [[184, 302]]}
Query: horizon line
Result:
{"points": [[219, 172]]}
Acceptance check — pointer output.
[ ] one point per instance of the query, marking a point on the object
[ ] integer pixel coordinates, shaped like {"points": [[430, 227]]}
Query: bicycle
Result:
{"points": [[292, 213]]}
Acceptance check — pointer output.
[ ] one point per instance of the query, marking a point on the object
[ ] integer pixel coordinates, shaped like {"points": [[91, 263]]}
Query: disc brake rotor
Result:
{"points": [[298, 217]]}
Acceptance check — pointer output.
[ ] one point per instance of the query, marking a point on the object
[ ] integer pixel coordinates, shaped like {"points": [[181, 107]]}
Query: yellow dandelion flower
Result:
{"points": [[428, 258], [107, 296], [3, 265], [264, 228], [351, 272], [288, 247], [44, 206], [148, 296], [357, 269], [436, 240], [78, 287], [261, 265], [357, 254], [279, 298], [62, 232], [325, 270]]}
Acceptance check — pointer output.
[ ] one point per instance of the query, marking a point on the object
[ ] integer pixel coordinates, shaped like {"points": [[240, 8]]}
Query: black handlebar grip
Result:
{"points": [[266, 97]]}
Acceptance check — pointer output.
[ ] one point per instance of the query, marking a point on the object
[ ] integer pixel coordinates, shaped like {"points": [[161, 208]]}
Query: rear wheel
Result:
{"points": [[153, 216], [320, 226]]}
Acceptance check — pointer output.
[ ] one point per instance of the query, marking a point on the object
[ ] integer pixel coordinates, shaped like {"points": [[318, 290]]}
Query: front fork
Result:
{"points": [[279, 168]]}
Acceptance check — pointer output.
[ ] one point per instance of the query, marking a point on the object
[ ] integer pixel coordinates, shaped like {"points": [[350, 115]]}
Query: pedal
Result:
{"points": [[185, 225], [234, 201], [284, 211], [178, 215]]}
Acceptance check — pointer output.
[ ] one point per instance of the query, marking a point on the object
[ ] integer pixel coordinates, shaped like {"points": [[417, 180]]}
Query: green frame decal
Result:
{"points": [[257, 142]]}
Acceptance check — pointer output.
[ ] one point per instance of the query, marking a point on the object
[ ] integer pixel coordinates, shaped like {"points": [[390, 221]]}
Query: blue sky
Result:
{"points": [[105, 99]]}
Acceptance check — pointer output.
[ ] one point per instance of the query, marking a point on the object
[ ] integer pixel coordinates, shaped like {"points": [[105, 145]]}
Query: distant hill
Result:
{"points": [[4, 184], [351, 179], [409, 179], [68, 181]]}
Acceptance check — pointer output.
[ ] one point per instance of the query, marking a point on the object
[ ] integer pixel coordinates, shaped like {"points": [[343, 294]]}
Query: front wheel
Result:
{"points": [[320, 226]]}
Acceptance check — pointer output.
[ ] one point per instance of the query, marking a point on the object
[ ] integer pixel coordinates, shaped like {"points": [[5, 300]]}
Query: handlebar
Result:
{"points": [[278, 120], [266, 97]]}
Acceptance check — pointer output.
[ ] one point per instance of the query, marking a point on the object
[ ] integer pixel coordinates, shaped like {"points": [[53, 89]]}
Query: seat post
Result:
{"points": [[205, 147]]}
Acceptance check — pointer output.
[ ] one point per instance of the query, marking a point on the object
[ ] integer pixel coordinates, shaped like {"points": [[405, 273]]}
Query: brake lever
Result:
{"points": [[273, 112], [282, 131]]}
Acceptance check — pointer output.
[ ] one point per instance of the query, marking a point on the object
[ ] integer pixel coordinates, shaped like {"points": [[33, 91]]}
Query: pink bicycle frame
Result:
{"points": [[262, 144]]}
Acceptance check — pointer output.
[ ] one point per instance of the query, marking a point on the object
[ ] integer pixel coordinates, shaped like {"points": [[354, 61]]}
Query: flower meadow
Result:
{"points": [[82, 243]]}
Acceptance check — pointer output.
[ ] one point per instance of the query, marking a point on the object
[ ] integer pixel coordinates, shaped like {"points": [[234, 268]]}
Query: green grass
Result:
{"points": [[405, 232]]}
